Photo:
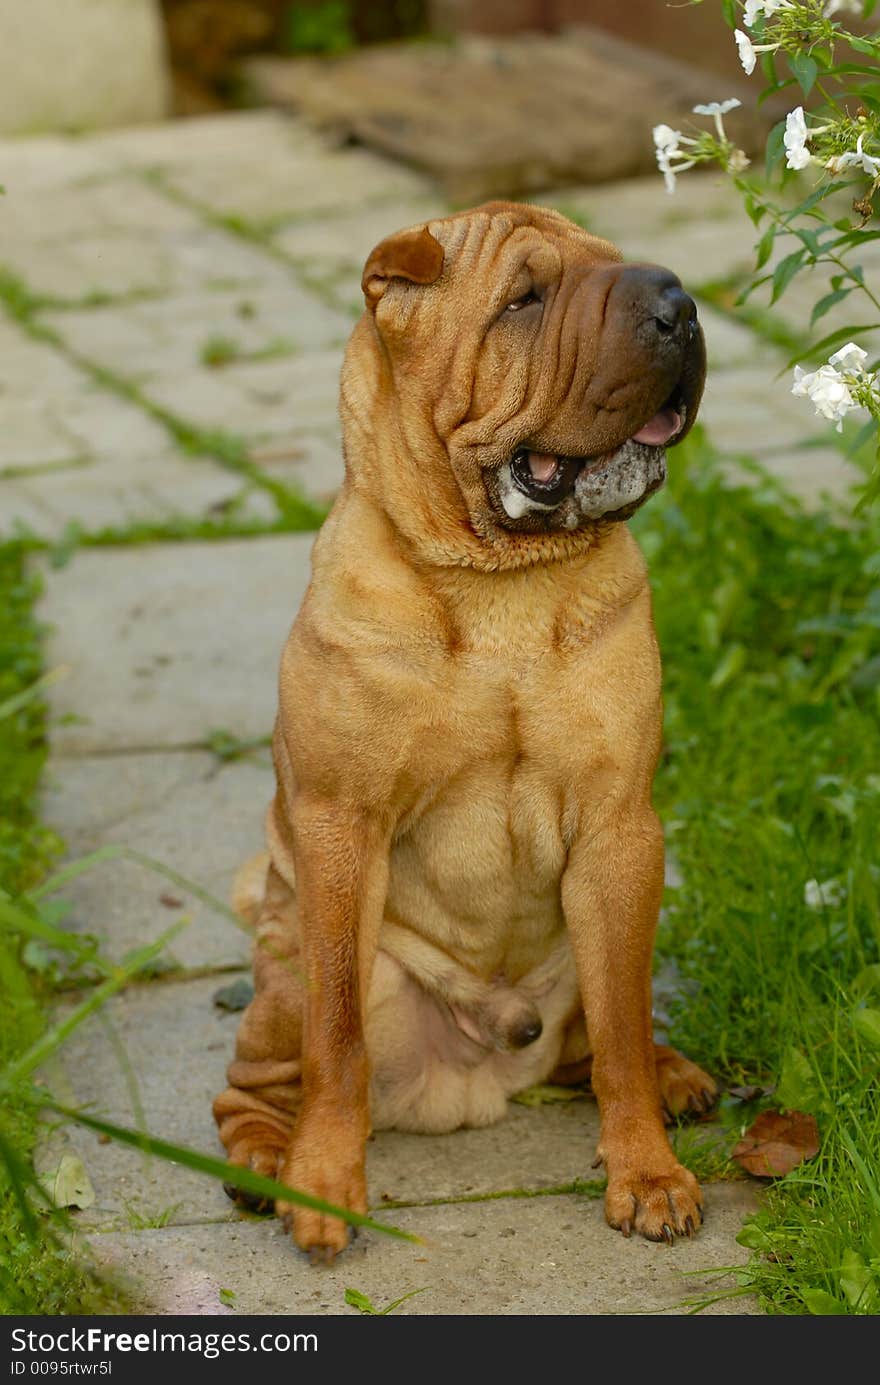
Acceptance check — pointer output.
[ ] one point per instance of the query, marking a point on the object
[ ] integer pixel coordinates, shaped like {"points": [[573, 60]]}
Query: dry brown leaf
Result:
{"points": [[777, 1142], [747, 1093]]}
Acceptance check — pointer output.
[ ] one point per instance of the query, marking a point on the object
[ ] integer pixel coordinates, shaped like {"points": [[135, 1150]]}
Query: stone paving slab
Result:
{"points": [[154, 338], [73, 417], [178, 1044], [101, 206], [131, 490], [546, 1255], [186, 810], [140, 261], [259, 400], [191, 637]]}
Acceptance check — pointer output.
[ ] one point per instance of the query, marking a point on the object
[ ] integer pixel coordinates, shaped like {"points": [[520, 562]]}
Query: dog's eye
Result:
{"points": [[523, 302]]}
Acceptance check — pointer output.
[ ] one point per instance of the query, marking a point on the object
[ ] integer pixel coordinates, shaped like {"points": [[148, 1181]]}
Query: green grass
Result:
{"points": [[769, 622], [42, 1277]]}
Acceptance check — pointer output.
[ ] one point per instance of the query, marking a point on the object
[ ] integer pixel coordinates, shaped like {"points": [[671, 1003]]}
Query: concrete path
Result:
{"points": [[176, 301]]}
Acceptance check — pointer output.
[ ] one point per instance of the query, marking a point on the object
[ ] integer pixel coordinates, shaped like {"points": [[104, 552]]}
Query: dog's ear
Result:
{"points": [[414, 255]]}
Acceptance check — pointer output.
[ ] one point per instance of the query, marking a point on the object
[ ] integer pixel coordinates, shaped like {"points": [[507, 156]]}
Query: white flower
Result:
{"points": [[768, 8], [795, 139], [848, 6], [667, 146], [738, 161], [852, 158], [666, 138], [828, 392], [718, 109], [849, 357], [829, 895], [869, 164], [746, 50]]}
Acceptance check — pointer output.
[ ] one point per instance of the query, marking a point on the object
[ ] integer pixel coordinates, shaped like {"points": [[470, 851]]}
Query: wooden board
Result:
{"points": [[490, 117]]}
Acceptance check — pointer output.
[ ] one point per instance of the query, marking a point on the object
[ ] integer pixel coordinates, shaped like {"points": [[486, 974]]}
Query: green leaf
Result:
{"points": [[826, 345], [797, 1089], [828, 302], [866, 1023], [867, 980], [864, 45], [765, 247], [817, 195], [753, 1236], [785, 272], [355, 1299], [775, 148], [227, 1296], [822, 1304], [732, 662], [805, 68], [69, 1185], [545, 1094], [857, 1282], [363, 1304]]}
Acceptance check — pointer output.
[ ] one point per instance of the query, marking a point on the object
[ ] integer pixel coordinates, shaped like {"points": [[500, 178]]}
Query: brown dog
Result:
{"points": [[463, 857]]}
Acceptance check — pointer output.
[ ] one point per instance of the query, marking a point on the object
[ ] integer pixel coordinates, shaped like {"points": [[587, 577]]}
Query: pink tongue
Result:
{"points": [[661, 428], [542, 465]]}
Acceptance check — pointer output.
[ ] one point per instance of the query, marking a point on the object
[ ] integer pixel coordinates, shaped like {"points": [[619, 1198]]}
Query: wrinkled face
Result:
{"points": [[555, 375]]}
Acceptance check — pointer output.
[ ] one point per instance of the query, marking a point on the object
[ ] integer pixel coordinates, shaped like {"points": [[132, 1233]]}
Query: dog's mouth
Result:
{"points": [[544, 479], [539, 490]]}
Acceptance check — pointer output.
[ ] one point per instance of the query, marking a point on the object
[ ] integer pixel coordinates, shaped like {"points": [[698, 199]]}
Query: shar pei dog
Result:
{"points": [[464, 868]]}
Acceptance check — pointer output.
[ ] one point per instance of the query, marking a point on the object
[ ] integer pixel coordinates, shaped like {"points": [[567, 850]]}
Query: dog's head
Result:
{"points": [[530, 374]]}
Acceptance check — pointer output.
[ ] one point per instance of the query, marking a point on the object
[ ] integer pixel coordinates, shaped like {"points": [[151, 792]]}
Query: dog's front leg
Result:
{"points": [[611, 893], [341, 862]]}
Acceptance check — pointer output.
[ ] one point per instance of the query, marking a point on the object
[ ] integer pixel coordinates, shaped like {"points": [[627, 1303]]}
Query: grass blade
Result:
{"points": [[30, 694], [125, 853], [49, 1042], [242, 1178], [27, 921]]}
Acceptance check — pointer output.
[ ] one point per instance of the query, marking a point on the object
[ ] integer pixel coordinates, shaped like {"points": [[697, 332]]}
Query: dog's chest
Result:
{"points": [[477, 862]]}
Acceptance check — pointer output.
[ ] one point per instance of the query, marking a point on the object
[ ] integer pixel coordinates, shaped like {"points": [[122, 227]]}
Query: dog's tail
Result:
{"points": [[249, 888]]}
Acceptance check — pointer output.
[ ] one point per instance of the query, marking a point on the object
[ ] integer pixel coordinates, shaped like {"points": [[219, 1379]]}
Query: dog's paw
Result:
{"points": [[319, 1234], [659, 1206], [684, 1088], [263, 1160]]}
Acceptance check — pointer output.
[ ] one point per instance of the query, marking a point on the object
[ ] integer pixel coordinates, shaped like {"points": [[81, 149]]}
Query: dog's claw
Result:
{"points": [[668, 1234], [689, 1226], [322, 1255], [626, 1229], [248, 1202]]}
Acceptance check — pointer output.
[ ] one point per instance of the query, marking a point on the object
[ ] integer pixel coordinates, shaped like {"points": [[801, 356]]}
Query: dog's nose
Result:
{"points": [[659, 301], [674, 310]]}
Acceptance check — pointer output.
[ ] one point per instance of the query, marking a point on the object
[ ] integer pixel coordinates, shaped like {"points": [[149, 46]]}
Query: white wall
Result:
{"points": [[80, 64]]}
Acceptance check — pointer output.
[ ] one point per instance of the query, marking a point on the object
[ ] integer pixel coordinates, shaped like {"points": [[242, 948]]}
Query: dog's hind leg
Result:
{"points": [[255, 1114]]}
